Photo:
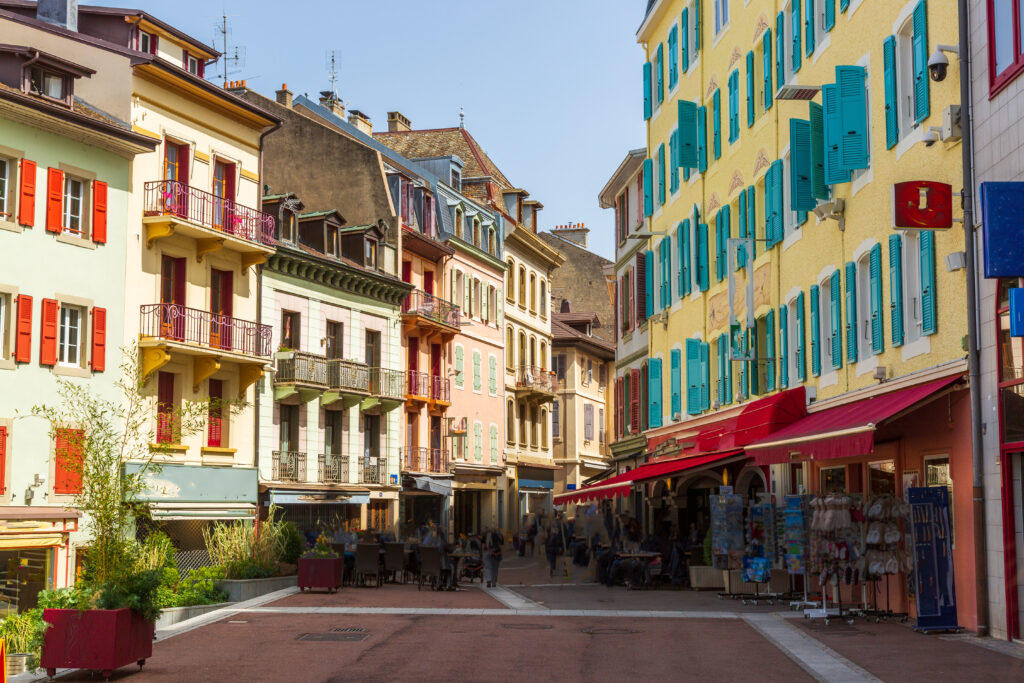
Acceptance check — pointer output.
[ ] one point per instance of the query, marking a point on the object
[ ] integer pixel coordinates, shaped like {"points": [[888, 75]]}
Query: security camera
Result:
{"points": [[930, 137], [938, 65]]}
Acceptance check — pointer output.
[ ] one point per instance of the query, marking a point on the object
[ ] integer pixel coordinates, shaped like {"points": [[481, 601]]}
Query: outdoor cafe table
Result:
{"points": [[646, 557]]}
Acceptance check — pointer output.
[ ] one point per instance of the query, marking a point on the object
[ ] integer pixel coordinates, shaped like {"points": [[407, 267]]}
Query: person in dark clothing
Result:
{"points": [[555, 543], [493, 542]]}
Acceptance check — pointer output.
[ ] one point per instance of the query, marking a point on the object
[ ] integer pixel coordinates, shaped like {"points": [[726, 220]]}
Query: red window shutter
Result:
{"points": [[48, 339], [23, 336], [641, 287], [165, 408], [27, 195], [215, 416], [3, 460], [99, 339], [99, 212], [54, 200], [634, 401], [68, 451]]}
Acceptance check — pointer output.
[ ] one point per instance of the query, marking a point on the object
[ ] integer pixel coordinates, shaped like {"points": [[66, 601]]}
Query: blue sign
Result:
{"points": [[1017, 312], [933, 559], [1001, 207]]}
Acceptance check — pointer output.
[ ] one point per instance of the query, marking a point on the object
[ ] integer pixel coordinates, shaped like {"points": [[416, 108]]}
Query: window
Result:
{"points": [[287, 231], [833, 480], [825, 314], [73, 201], [794, 341], [290, 330], [937, 473], [70, 333], [1005, 42], [370, 253], [334, 340], [590, 371], [510, 281], [864, 293], [907, 93], [721, 15], [509, 349], [456, 180], [166, 427], [543, 299], [542, 422], [145, 42], [476, 233], [555, 420], [588, 422], [522, 424], [69, 448], [790, 56], [6, 206], [522, 287], [533, 293], [600, 426], [5, 321], [510, 422], [48, 83], [491, 245], [1011, 367], [558, 362], [543, 359], [911, 257], [215, 416], [194, 65]]}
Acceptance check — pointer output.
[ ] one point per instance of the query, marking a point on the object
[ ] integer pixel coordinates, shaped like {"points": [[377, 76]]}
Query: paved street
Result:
{"points": [[534, 627]]}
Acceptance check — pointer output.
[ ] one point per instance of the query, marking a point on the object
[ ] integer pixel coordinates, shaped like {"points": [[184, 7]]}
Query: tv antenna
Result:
{"points": [[233, 57], [333, 63]]}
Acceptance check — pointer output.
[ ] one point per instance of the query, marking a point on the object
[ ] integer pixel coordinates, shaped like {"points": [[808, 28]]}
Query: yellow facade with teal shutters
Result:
{"points": [[837, 293]]}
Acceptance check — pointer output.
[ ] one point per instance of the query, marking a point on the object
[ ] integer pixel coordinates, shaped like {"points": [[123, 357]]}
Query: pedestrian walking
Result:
{"points": [[555, 544], [493, 542]]}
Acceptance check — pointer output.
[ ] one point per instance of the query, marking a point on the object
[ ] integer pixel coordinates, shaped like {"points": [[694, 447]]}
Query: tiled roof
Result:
{"points": [[560, 332], [419, 144]]}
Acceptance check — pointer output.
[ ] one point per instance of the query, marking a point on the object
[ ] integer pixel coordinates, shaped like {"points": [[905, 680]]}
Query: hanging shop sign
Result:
{"points": [[922, 205], [933, 558], [1002, 248]]}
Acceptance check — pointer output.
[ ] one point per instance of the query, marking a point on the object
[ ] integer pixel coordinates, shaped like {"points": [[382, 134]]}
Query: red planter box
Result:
{"points": [[320, 572], [99, 639]]}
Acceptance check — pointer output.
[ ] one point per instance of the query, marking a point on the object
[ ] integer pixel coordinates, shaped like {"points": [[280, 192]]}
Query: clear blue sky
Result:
{"points": [[551, 88]]}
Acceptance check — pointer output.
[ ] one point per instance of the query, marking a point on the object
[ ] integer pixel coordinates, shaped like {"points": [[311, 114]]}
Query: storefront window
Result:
{"points": [[23, 573], [1011, 368], [882, 478], [936, 473], [833, 479]]}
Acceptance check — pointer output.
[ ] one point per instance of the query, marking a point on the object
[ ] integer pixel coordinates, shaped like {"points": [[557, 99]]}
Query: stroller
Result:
{"points": [[473, 567]]}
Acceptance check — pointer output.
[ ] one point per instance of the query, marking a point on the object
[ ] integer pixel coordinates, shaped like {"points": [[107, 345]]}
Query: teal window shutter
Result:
{"points": [[851, 312], [875, 271], [741, 253], [727, 344], [697, 25], [769, 350], [654, 392], [492, 374], [819, 189], [460, 376], [661, 173], [929, 311], [843, 4], [649, 282], [769, 208], [809, 26], [801, 339], [683, 241], [783, 346], [750, 89], [744, 374], [675, 381], [719, 263], [815, 332], [721, 346], [830, 14], [705, 375], [795, 21], [834, 173], [648, 187], [673, 166], [684, 40], [922, 106], [673, 57], [687, 136], [777, 203], [835, 318], [702, 257], [659, 64], [647, 90], [702, 139], [892, 115], [766, 67], [751, 224], [853, 114], [716, 122], [734, 105], [896, 287], [800, 165], [780, 50], [694, 404]]}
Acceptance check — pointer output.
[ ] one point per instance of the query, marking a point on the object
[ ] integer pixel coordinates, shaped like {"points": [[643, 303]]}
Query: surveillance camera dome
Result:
{"points": [[930, 138], [938, 65]]}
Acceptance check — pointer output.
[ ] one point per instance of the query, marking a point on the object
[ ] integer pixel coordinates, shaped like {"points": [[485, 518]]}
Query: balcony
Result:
{"points": [[334, 469], [348, 382], [430, 460], [288, 466], [300, 377], [535, 384], [174, 208], [387, 389], [424, 388], [429, 315], [208, 338], [371, 474]]}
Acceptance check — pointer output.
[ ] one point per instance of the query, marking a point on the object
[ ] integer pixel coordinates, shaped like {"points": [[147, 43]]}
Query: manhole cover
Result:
{"points": [[348, 629], [609, 631], [527, 627], [334, 637]]}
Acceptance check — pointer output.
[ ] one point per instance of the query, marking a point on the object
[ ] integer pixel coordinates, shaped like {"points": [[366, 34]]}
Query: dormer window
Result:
{"points": [[370, 253], [476, 232], [48, 83], [287, 227], [145, 42], [193, 65], [331, 240], [456, 180]]}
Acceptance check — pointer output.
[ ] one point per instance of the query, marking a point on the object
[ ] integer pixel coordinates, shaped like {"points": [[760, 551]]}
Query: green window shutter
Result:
{"points": [[780, 49], [809, 26], [929, 311], [800, 196], [819, 189], [751, 224], [769, 207], [648, 187], [494, 443], [769, 350], [673, 57], [795, 21], [673, 166], [647, 90], [705, 375], [853, 145], [654, 392], [661, 173], [835, 318], [676, 381], [694, 405], [683, 243], [834, 173], [766, 67], [702, 257], [851, 312], [459, 376], [875, 271], [649, 282], [684, 40], [815, 333], [777, 204], [688, 135], [477, 438], [750, 89], [922, 105], [734, 105], [716, 122], [492, 374], [892, 115], [702, 139], [801, 339], [741, 253], [896, 287], [659, 65], [783, 346], [477, 383], [830, 14]]}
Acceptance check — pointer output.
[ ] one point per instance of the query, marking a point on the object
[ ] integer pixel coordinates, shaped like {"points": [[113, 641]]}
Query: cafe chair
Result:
{"points": [[394, 561], [368, 563], [430, 564]]}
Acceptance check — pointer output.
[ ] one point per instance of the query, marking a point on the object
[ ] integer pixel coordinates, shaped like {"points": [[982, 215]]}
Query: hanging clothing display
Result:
{"points": [[727, 531]]}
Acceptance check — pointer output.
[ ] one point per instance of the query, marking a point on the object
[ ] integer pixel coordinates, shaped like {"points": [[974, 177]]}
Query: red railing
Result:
{"points": [[173, 198], [178, 323], [431, 307], [420, 459]]}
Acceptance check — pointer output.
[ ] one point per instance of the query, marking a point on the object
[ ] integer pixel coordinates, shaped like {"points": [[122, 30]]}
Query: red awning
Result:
{"points": [[840, 432], [756, 421], [621, 484]]}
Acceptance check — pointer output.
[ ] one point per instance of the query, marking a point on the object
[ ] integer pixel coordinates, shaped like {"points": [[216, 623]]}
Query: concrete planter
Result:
{"points": [[247, 589], [172, 615], [705, 577]]}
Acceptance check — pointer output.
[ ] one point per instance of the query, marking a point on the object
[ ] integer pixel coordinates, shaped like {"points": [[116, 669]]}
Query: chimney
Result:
{"points": [[232, 86], [331, 100], [361, 121], [284, 96], [63, 13], [398, 123], [573, 232]]}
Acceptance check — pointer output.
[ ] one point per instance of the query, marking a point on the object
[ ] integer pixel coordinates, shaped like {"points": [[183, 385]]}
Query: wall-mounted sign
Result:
{"points": [[922, 205], [1002, 205]]}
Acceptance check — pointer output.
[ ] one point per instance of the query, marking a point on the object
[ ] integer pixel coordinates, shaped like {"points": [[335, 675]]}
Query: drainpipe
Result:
{"points": [[973, 358]]}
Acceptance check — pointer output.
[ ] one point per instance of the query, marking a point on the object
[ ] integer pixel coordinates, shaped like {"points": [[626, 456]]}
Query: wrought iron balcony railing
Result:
{"points": [[535, 378], [173, 198], [417, 383], [440, 389], [371, 474], [334, 468], [434, 308], [347, 375], [302, 368], [387, 383], [174, 322], [288, 466], [421, 459]]}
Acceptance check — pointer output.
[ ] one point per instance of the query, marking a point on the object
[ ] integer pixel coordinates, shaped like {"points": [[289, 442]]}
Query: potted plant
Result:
{"points": [[321, 567], [22, 634]]}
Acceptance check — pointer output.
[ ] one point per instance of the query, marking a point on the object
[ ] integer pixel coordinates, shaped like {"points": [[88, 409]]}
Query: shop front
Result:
{"points": [[35, 554], [424, 499], [475, 498], [535, 485]]}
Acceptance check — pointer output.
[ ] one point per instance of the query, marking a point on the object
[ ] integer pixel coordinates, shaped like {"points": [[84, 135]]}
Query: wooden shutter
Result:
{"points": [[702, 257], [618, 407], [843, 4], [816, 119], [54, 200], [734, 103], [659, 65], [705, 376], [750, 89], [460, 378], [809, 26], [675, 382], [834, 172], [815, 332], [896, 287], [23, 330], [875, 267], [684, 258], [851, 312], [801, 339], [215, 416], [777, 202], [648, 187], [922, 106], [835, 320], [648, 284], [654, 391], [853, 146], [99, 212], [687, 138], [492, 374], [69, 447], [661, 173], [800, 196], [634, 401], [892, 115], [98, 356], [693, 377], [766, 67], [702, 139], [684, 41], [27, 193], [830, 14], [929, 311], [795, 21], [647, 90], [3, 460], [751, 220], [476, 371], [783, 346], [780, 48], [48, 336], [673, 56], [741, 251], [716, 123], [769, 350]]}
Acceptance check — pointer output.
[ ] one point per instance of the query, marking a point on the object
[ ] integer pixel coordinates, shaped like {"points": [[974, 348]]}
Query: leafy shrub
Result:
{"points": [[293, 543], [137, 591], [197, 587], [245, 551], [76, 597], [23, 633]]}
